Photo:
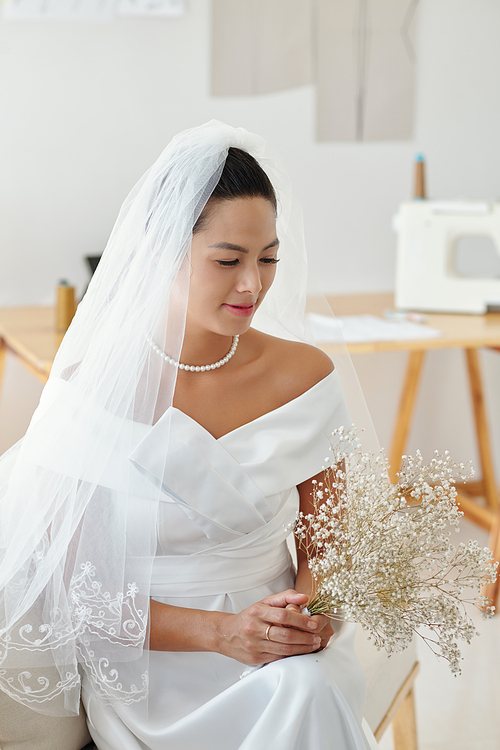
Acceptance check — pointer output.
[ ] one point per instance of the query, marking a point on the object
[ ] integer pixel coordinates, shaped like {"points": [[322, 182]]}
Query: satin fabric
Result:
{"points": [[228, 505]]}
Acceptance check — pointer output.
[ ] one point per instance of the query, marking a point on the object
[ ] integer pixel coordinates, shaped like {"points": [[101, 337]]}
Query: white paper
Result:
{"points": [[61, 10], [150, 8], [362, 328]]}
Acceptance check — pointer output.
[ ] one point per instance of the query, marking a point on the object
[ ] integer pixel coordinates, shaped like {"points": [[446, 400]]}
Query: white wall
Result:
{"points": [[86, 108]]}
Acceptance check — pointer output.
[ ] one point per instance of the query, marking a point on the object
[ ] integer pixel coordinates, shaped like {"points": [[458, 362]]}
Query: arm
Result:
{"points": [[303, 580], [241, 636]]}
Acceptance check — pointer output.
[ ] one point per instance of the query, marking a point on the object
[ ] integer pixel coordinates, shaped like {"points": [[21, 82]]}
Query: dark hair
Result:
{"points": [[241, 177]]}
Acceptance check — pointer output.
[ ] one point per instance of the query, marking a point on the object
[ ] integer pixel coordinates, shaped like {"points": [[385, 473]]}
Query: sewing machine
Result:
{"points": [[429, 233]]}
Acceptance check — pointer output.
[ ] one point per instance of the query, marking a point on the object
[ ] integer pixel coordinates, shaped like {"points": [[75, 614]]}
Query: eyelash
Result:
{"points": [[232, 263]]}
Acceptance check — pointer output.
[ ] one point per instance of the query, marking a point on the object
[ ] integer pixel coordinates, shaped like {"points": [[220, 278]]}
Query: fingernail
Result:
{"points": [[313, 625], [316, 642]]}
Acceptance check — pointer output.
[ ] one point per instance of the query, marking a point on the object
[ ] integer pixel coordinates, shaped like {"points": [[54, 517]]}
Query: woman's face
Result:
{"points": [[233, 262]]}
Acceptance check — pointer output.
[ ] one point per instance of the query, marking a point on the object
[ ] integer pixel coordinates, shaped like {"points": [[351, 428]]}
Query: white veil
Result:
{"points": [[76, 542]]}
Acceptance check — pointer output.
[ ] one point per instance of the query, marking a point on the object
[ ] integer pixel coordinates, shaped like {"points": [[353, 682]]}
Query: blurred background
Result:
{"points": [[86, 107]]}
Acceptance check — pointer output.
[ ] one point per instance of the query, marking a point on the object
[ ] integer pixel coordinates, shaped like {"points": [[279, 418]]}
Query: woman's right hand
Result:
{"points": [[243, 636]]}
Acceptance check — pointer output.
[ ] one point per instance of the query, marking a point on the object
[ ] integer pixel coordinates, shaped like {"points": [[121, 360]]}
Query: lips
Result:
{"points": [[243, 311]]}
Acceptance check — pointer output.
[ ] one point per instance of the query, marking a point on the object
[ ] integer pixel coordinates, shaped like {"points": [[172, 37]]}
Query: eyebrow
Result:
{"points": [[239, 249]]}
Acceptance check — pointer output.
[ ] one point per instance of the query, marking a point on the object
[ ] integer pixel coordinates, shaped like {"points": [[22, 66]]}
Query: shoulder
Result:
{"points": [[306, 364], [293, 366]]}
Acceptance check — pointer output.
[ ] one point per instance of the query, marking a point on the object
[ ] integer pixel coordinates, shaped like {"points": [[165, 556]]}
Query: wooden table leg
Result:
{"points": [[483, 441], [404, 725], [405, 410], [492, 590], [487, 486]]}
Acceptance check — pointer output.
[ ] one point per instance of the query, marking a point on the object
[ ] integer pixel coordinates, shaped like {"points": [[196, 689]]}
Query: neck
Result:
{"points": [[201, 347]]}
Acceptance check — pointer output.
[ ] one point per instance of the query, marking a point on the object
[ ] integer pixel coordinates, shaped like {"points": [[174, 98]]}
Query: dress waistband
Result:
{"points": [[215, 573]]}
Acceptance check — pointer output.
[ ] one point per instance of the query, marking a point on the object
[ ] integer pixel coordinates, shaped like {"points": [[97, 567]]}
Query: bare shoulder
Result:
{"points": [[306, 364], [296, 366]]}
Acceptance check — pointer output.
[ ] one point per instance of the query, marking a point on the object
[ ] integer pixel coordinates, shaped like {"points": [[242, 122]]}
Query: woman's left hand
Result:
{"points": [[325, 627]]}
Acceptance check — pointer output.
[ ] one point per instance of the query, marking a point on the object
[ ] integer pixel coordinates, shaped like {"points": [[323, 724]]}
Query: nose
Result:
{"points": [[249, 280]]}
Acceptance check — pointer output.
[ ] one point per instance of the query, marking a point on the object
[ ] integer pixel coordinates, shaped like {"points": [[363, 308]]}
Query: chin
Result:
{"points": [[238, 328], [230, 326]]}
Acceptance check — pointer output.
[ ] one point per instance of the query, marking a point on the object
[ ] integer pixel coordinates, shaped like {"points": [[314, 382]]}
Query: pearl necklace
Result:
{"points": [[195, 368]]}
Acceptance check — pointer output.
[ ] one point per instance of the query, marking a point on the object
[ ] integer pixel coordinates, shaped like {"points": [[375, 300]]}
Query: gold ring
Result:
{"points": [[267, 632]]}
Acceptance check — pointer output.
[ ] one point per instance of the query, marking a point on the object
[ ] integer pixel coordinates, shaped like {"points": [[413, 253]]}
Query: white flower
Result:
{"points": [[383, 552]]}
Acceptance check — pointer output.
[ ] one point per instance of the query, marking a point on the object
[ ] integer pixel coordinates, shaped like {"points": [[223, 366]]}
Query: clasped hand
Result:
{"points": [[274, 628]]}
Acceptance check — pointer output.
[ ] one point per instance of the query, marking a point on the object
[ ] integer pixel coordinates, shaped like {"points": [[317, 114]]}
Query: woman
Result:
{"points": [[167, 461]]}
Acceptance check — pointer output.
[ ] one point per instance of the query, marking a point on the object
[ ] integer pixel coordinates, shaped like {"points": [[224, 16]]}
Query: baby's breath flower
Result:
{"points": [[381, 553]]}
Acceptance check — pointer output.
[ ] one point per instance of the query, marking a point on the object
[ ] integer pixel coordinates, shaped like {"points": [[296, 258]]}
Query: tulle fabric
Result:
{"points": [[75, 562]]}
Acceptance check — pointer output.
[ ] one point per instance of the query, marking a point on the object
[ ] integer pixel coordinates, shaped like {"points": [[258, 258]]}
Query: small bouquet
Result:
{"points": [[380, 554]]}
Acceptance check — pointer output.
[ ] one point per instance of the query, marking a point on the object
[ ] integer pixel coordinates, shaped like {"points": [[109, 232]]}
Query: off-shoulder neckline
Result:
{"points": [[268, 414]]}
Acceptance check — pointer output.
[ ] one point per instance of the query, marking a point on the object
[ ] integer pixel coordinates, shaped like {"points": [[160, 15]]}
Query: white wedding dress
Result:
{"points": [[227, 509]]}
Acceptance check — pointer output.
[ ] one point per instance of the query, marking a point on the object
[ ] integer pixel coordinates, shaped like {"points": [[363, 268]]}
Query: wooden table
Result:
{"points": [[29, 335]]}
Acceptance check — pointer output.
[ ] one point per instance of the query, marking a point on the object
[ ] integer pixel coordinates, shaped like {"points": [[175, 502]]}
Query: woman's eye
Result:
{"points": [[235, 262]]}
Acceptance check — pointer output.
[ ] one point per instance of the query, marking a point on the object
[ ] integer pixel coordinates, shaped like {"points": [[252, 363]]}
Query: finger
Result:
{"points": [[325, 625], [286, 597], [325, 637], [292, 637], [276, 650], [288, 618], [321, 619]]}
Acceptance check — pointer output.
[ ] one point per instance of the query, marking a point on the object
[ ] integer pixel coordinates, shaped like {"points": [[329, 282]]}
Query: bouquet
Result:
{"points": [[380, 554]]}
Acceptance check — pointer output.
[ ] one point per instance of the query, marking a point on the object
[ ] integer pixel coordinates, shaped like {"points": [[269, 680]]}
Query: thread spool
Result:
{"points": [[419, 188], [65, 307]]}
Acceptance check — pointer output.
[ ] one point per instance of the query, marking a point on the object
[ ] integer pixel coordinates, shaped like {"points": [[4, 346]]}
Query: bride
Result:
{"points": [[181, 430]]}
